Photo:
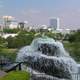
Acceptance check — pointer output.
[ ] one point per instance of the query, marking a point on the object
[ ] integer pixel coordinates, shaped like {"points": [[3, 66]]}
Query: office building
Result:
{"points": [[54, 23]]}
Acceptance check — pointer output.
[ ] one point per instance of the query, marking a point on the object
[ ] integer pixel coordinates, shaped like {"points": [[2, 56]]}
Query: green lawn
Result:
{"points": [[9, 53], [16, 75]]}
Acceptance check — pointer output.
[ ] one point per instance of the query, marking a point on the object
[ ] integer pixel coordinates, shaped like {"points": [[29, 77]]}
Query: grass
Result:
{"points": [[16, 75], [9, 53], [9, 50]]}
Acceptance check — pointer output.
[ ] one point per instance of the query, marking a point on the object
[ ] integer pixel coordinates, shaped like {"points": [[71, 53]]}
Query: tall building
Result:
{"points": [[7, 21], [54, 23]]}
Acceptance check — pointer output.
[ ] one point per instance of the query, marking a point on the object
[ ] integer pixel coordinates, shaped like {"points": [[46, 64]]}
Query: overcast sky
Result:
{"points": [[40, 11]]}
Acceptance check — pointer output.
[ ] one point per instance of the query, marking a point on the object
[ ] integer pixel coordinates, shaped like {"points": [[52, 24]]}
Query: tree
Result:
{"points": [[11, 30], [3, 43], [19, 40], [11, 42], [75, 36]]}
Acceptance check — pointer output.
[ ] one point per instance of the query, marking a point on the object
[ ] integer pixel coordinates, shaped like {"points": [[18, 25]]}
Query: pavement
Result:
{"points": [[2, 73]]}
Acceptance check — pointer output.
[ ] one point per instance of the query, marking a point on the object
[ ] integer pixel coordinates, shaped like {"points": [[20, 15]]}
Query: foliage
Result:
{"points": [[49, 34], [10, 41], [75, 36], [66, 37], [25, 38], [2, 40], [74, 49], [11, 30], [16, 75], [9, 53], [3, 43], [73, 46], [20, 40], [56, 36]]}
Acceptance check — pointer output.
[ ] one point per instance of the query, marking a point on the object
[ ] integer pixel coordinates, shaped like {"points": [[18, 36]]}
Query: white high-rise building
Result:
{"points": [[54, 23], [7, 21], [13, 25]]}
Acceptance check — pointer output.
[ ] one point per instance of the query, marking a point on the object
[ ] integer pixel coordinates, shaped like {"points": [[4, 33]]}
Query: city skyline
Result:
{"points": [[39, 11]]}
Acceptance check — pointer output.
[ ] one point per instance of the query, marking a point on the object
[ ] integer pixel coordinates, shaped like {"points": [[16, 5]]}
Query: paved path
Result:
{"points": [[2, 73]]}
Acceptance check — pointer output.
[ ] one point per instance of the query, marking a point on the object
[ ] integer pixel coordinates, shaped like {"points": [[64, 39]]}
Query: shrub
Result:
{"points": [[19, 41]]}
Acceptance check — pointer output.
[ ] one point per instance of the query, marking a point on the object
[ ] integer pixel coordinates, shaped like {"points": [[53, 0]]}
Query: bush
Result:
{"points": [[3, 43], [11, 30], [74, 50], [74, 37], [16, 75], [19, 41]]}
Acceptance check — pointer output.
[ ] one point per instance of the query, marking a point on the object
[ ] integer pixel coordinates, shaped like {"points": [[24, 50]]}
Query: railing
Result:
{"points": [[10, 67], [76, 76]]}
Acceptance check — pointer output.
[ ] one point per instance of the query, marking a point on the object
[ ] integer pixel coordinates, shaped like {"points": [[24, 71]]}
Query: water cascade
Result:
{"points": [[47, 57]]}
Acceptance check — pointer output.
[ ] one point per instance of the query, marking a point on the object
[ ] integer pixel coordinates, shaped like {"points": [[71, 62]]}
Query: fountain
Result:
{"points": [[47, 57]]}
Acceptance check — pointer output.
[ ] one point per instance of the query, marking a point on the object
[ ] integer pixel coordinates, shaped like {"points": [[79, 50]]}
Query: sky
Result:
{"points": [[40, 11]]}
